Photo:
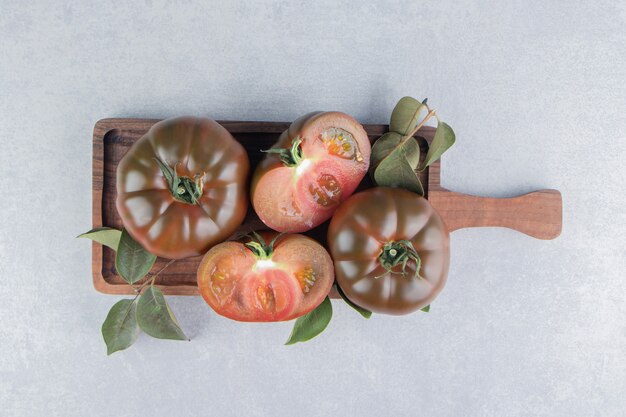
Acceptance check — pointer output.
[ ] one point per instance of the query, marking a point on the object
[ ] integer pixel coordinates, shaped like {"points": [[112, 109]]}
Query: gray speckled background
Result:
{"points": [[536, 92]]}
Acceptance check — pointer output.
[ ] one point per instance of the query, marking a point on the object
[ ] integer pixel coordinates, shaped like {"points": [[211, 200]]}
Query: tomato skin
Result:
{"points": [[336, 153], [357, 234], [161, 223], [295, 279]]}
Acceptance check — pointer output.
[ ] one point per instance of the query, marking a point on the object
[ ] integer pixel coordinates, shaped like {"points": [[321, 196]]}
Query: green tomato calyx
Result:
{"points": [[291, 157], [261, 249], [184, 189], [399, 252]]}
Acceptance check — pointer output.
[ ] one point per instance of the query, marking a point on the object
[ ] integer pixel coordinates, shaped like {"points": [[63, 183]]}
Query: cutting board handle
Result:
{"points": [[537, 214]]}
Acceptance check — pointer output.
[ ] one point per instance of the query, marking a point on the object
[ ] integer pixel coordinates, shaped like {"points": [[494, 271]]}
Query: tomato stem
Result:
{"points": [[290, 156], [259, 247], [397, 253], [184, 189]]}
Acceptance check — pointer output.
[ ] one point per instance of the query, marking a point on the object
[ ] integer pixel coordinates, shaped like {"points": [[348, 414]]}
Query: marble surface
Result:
{"points": [[536, 93]]}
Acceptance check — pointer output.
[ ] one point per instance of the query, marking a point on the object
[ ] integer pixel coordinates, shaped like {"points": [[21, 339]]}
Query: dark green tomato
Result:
{"points": [[181, 188], [391, 250]]}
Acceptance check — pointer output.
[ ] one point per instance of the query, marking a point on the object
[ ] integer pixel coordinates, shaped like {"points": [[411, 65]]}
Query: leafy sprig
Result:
{"points": [[148, 311], [395, 159]]}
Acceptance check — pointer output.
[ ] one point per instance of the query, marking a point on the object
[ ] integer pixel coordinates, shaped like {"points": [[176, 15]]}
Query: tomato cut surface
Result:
{"points": [[269, 295], [247, 281], [181, 188], [391, 250], [315, 165]]}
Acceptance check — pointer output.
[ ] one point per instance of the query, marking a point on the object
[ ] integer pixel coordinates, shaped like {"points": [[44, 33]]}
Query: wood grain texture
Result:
{"points": [[536, 214]]}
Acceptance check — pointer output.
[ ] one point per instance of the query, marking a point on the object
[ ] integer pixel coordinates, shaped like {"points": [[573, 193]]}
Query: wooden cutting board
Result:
{"points": [[538, 214]]}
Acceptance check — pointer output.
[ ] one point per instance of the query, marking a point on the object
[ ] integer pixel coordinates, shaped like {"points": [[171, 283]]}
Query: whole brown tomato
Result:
{"points": [[315, 165], [258, 281], [181, 188], [391, 250]]}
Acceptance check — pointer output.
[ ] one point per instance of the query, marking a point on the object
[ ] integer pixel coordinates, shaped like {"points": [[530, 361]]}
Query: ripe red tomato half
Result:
{"points": [[315, 165], [255, 281], [181, 188], [391, 250]]}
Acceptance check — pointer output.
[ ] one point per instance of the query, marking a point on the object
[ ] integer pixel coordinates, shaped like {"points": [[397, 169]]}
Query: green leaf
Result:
{"points": [[397, 162], [310, 325], [426, 309], [104, 235], [406, 115], [365, 313], [155, 316], [383, 146], [120, 328], [444, 138], [132, 261]]}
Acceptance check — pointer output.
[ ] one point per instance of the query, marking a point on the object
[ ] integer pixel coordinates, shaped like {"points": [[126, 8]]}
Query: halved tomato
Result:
{"points": [[255, 281], [315, 165]]}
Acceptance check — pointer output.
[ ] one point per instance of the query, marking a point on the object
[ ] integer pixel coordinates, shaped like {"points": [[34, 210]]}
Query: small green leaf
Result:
{"points": [[426, 309], [104, 235], [310, 325], [132, 261], [406, 115], [412, 153], [365, 313], [395, 169], [444, 138], [383, 146], [155, 316], [120, 328]]}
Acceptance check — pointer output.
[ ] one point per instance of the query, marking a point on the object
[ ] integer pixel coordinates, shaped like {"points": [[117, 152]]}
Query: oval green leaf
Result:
{"points": [[392, 142], [365, 313], [397, 168], [120, 328], [311, 324], [132, 261], [155, 316], [383, 146], [406, 115], [443, 140], [104, 235]]}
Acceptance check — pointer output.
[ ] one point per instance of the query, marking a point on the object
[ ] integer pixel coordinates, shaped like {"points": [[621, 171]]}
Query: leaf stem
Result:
{"points": [[171, 261], [152, 277], [430, 114]]}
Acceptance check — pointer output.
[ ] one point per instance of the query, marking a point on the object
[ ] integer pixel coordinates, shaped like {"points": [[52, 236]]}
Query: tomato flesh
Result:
{"points": [[341, 143], [221, 286], [290, 282], [269, 295], [306, 278], [325, 190]]}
